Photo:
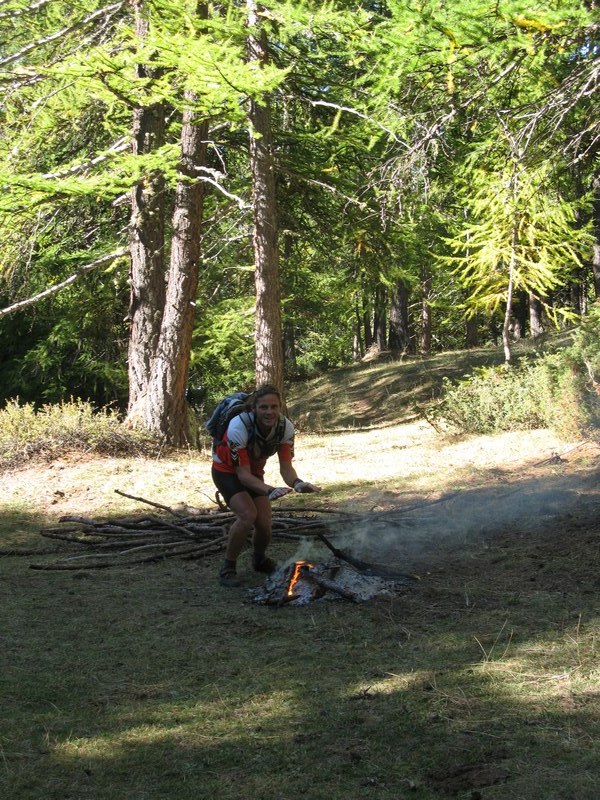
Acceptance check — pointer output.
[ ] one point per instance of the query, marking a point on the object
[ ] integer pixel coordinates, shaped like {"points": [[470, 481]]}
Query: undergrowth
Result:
{"points": [[556, 390], [27, 432]]}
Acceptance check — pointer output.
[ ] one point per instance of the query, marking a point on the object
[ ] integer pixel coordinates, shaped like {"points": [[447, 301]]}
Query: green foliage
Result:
{"points": [[70, 345], [223, 350], [519, 224], [586, 344], [558, 390], [581, 378], [492, 400], [378, 109], [54, 430]]}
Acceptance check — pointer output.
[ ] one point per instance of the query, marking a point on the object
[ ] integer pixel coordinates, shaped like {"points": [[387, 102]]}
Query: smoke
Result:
{"points": [[416, 532]]}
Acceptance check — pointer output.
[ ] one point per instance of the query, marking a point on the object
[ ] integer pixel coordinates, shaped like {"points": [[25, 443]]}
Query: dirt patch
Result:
{"points": [[497, 479], [380, 466]]}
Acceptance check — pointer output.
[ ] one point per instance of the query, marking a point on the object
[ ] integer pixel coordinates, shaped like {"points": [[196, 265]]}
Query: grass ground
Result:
{"points": [[480, 681]]}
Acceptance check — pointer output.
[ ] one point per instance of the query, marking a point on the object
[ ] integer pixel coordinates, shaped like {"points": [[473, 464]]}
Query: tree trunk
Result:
{"points": [[158, 401], [511, 273], [596, 253], [163, 407], [358, 348], [147, 239], [425, 332], [472, 331], [536, 325], [368, 330], [380, 320], [268, 329], [399, 334], [167, 409]]}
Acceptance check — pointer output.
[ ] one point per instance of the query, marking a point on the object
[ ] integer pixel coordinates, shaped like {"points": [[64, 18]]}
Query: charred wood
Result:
{"points": [[330, 586]]}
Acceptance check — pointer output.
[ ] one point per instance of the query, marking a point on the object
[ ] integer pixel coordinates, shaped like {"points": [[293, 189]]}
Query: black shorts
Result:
{"points": [[229, 484]]}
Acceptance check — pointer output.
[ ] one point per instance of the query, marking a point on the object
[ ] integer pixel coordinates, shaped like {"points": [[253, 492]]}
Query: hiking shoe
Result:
{"points": [[264, 564], [228, 577]]}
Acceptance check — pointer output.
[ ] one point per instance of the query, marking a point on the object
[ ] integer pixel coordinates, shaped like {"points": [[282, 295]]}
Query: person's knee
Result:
{"points": [[246, 517]]}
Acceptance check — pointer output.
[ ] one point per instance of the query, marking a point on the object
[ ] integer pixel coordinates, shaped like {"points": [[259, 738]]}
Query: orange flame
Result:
{"points": [[296, 575]]}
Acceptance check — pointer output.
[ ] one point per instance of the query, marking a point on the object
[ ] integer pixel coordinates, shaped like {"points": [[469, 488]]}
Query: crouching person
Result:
{"points": [[238, 473]]}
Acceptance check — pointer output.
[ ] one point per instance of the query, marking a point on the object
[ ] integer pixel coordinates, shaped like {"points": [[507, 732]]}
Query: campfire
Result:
{"points": [[302, 582], [346, 578]]}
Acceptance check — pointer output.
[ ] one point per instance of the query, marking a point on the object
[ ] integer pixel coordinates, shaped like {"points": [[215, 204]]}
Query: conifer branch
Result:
{"points": [[118, 147], [101, 12], [18, 12], [99, 262], [328, 187]]}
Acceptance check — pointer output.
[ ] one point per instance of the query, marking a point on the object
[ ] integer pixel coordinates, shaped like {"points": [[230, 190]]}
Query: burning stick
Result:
{"points": [[364, 566]]}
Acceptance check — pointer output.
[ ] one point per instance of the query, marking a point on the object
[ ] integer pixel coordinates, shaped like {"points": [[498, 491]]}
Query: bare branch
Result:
{"points": [[99, 262], [59, 34], [17, 12], [357, 113], [118, 147], [206, 178]]}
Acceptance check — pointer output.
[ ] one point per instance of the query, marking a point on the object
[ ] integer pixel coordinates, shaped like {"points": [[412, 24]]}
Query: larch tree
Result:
{"points": [[268, 328]]}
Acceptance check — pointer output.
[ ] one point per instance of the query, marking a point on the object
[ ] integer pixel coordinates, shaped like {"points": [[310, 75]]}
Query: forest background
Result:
{"points": [[198, 196]]}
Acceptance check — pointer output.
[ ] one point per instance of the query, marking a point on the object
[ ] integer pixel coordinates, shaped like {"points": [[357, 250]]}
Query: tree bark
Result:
{"points": [[166, 409], [158, 398], [146, 239], [536, 325], [514, 237], [380, 333], [425, 332], [596, 248], [472, 331], [399, 334], [268, 327]]}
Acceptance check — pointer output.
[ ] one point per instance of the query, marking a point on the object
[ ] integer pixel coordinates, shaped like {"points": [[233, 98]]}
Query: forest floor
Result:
{"points": [[479, 681]]}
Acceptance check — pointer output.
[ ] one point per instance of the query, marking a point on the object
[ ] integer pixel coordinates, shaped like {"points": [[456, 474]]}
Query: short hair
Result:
{"points": [[262, 390]]}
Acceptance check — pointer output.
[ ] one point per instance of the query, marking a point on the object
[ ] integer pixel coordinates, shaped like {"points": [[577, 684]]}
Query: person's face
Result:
{"points": [[267, 410]]}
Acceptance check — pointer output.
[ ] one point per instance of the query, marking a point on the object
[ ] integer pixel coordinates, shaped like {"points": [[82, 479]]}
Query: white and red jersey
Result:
{"points": [[244, 446]]}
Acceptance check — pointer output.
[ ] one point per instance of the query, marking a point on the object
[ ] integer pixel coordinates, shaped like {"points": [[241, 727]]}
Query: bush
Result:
{"points": [[492, 400], [559, 391], [27, 432]]}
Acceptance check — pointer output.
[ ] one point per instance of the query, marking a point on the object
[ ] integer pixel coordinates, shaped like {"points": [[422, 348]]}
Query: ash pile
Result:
{"points": [[302, 582]]}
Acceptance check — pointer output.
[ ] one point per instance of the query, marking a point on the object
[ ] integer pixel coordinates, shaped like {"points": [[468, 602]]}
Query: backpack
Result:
{"points": [[238, 404], [225, 410]]}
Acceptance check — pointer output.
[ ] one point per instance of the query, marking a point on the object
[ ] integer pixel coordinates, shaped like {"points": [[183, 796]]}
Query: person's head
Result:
{"points": [[266, 404]]}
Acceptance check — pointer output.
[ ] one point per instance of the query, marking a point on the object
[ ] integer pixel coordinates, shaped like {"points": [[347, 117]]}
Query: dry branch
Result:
{"points": [[330, 586], [119, 542]]}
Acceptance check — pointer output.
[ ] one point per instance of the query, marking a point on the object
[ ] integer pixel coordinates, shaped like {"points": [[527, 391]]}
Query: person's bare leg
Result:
{"points": [[246, 514], [261, 539], [262, 525]]}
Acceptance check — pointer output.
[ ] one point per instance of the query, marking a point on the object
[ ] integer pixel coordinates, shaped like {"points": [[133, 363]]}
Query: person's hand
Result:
{"points": [[275, 494], [305, 487]]}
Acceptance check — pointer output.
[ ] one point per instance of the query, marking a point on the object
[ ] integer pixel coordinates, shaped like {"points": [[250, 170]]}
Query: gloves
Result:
{"points": [[305, 486], [275, 494]]}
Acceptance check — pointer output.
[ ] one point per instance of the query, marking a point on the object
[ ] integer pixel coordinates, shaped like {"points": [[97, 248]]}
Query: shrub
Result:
{"points": [[492, 400], [27, 432], [558, 390]]}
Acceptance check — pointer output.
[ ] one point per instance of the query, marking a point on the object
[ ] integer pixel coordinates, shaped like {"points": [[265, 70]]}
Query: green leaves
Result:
{"points": [[516, 217]]}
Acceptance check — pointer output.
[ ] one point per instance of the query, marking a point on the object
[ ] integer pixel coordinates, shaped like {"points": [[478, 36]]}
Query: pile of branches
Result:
{"points": [[154, 537]]}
